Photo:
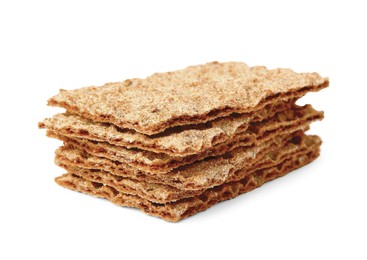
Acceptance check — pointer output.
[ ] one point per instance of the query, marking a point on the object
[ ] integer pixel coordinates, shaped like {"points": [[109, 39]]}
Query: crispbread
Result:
{"points": [[176, 141], [160, 193], [194, 95], [287, 122], [184, 208], [200, 175]]}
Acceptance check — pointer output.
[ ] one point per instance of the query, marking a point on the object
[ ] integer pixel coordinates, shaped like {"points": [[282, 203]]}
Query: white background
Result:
{"points": [[318, 212]]}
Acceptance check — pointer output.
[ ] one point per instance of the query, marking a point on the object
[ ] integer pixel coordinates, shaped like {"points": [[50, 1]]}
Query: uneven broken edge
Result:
{"points": [[162, 163], [194, 95], [175, 141], [160, 193], [203, 177], [187, 207]]}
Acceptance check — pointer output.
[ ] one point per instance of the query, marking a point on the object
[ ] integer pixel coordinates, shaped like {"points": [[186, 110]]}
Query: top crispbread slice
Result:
{"points": [[193, 95], [178, 141]]}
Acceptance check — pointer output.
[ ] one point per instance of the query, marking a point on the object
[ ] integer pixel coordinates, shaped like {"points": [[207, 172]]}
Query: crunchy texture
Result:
{"points": [[200, 175], [184, 208], [160, 193], [176, 141], [193, 95], [283, 123]]}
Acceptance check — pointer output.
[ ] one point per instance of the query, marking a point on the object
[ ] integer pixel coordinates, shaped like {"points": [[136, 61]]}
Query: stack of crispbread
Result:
{"points": [[176, 143]]}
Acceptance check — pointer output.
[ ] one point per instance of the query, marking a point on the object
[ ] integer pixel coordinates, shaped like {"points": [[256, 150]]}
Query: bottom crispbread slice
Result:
{"points": [[184, 208], [160, 193]]}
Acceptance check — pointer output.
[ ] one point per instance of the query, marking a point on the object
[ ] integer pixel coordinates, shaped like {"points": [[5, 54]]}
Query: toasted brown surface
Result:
{"points": [[184, 208], [200, 175], [283, 123], [161, 193], [193, 95], [176, 141]]}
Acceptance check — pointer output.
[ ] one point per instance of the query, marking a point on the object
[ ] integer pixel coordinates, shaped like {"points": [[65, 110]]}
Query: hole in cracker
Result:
{"points": [[296, 139], [157, 204], [227, 156], [227, 194], [97, 185], [123, 130], [203, 197], [83, 132], [114, 191], [245, 180]]}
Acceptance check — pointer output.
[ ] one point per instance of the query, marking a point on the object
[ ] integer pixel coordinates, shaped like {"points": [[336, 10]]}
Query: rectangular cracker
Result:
{"points": [[287, 122], [176, 211], [160, 193], [193, 95], [176, 141], [198, 176]]}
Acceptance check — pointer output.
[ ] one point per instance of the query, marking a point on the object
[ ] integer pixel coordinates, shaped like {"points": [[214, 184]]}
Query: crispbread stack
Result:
{"points": [[176, 143]]}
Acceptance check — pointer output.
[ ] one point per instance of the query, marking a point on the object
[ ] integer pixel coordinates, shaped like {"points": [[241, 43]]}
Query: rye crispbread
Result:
{"points": [[198, 176], [184, 208], [160, 193], [287, 122], [193, 95], [176, 141]]}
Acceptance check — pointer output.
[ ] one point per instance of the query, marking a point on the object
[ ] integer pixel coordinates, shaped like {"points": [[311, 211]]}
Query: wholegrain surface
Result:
{"points": [[200, 175], [283, 123], [193, 95], [176, 141], [161, 193], [176, 211]]}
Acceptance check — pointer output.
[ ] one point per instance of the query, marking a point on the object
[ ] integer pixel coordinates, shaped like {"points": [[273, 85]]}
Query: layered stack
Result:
{"points": [[176, 143]]}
